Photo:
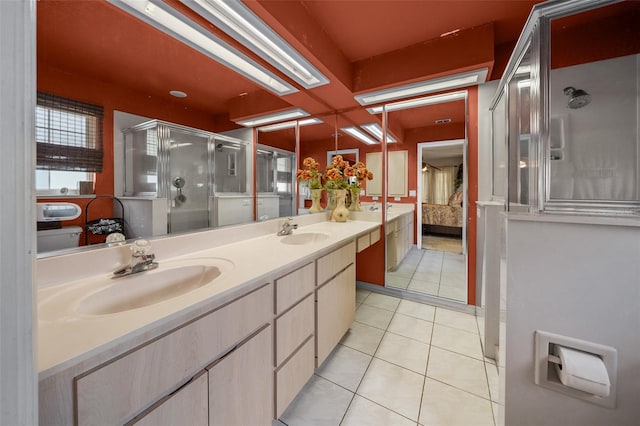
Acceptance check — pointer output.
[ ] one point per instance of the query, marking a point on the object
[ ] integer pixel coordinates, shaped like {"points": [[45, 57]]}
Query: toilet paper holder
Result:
{"points": [[577, 368]]}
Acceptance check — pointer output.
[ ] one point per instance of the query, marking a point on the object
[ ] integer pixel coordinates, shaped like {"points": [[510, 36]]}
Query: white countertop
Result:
{"points": [[67, 338]]}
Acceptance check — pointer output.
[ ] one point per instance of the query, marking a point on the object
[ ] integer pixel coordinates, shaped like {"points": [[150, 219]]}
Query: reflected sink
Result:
{"points": [[171, 279], [304, 238]]}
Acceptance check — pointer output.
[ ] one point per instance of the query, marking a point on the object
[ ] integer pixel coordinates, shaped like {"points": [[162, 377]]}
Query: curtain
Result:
{"points": [[438, 184]]}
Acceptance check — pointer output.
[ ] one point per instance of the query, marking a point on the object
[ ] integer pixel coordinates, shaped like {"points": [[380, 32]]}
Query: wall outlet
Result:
{"points": [[374, 198], [412, 193], [396, 198]]}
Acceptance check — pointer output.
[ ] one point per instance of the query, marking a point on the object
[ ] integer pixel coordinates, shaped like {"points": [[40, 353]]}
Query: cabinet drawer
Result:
{"points": [[189, 405], [118, 390], [375, 236], [364, 242], [294, 286], [332, 263], [293, 375], [293, 328]]}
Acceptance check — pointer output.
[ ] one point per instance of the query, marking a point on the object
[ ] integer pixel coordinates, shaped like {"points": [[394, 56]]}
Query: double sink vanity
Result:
{"points": [[226, 330]]}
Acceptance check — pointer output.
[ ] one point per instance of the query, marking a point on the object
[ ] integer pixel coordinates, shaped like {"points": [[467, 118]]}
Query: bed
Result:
{"points": [[443, 218]]}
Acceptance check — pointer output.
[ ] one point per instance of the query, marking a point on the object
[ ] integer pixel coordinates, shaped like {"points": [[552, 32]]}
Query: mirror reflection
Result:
{"points": [[431, 148]]}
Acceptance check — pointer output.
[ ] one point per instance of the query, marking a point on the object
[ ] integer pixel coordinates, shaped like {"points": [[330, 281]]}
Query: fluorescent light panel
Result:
{"points": [[290, 124], [178, 26], [418, 102], [239, 22], [273, 118], [376, 130], [423, 87], [359, 134]]}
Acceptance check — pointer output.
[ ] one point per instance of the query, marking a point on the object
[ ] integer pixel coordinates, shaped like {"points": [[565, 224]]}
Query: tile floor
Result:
{"points": [[431, 272], [402, 363]]}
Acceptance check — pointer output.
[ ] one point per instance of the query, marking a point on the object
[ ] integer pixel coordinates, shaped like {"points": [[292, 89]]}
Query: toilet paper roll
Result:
{"points": [[583, 371]]}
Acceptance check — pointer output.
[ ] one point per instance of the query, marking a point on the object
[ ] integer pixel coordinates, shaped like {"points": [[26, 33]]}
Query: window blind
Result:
{"points": [[68, 134]]}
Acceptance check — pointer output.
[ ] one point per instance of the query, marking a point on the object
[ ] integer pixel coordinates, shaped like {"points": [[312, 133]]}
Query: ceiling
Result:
{"points": [[359, 45]]}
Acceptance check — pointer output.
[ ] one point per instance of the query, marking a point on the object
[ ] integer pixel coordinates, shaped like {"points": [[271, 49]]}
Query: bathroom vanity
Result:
{"points": [[236, 350]]}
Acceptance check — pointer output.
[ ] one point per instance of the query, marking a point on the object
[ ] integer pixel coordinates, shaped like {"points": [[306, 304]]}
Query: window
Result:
{"points": [[69, 143]]}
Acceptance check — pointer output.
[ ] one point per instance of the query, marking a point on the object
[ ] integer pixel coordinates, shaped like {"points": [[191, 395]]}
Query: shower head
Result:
{"points": [[577, 97], [219, 147]]}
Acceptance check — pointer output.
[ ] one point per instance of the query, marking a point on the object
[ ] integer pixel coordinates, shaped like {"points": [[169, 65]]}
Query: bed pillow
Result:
{"points": [[455, 200]]}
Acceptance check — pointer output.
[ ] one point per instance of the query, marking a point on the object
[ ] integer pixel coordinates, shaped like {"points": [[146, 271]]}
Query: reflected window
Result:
{"points": [[68, 143]]}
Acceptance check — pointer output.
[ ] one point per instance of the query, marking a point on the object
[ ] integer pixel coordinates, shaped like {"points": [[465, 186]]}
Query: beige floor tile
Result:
{"points": [[494, 381], [320, 402], [444, 405], [458, 370], [363, 338], [364, 412], [405, 352], [416, 310], [382, 301], [423, 287], [361, 295], [403, 271], [397, 281], [455, 340], [453, 279], [428, 276], [393, 387], [458, 293], [497, 412], [372, 316], [456, 319], [345, 367], [410, 327]]}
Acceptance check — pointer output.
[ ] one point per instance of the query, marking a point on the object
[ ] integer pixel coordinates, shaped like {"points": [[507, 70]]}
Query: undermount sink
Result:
{"points": [[304, 238], [169, 280]]}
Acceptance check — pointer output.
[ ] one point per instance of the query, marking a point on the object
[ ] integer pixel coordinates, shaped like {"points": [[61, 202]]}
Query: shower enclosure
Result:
{"points": [[565, 117], [275, 170], [187, 167]]}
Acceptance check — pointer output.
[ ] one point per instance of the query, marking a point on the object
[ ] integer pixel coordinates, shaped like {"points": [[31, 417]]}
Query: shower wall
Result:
{"points": [[596, 146]]}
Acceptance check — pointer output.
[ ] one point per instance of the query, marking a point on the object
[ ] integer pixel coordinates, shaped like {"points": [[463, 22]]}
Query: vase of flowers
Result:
{"points": [[358, 173], [312, 176]]}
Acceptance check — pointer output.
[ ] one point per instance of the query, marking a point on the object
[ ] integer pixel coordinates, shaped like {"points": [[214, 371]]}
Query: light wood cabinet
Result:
{"points": [[399, 239], [189, 406], [121, 389], [293, 374], [336, 307], [329, 265], [398, 176], [240, 385], [295, 327]]}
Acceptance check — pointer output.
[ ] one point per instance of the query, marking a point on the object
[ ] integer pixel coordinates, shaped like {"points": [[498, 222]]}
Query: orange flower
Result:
{"points": [[369, 175], [337, 160], [349, 171], [334, 174], [310, 164]]}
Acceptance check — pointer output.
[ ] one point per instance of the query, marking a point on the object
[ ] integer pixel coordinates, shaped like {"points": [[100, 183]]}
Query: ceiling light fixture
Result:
{"points": [[273, 118], [171, 22], [423, 87], [239, 22], [359, 134], [178, 93], [376, 130], [418, 102], [290, 124]]}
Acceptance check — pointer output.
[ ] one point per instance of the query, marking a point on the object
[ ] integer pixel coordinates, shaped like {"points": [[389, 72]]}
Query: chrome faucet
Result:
{"points": [[287, 227], [141, 260]]}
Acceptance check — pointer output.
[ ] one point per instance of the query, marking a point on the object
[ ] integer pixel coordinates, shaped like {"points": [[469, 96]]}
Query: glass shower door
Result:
{"points": [[188, 189]]}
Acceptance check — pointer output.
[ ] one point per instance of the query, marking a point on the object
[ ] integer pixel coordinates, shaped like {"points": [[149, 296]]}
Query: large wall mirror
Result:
{"points": [[432, 136]]}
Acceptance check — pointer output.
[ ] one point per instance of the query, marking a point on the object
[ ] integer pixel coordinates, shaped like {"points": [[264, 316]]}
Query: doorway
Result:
{"points": [[441, 215]]}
